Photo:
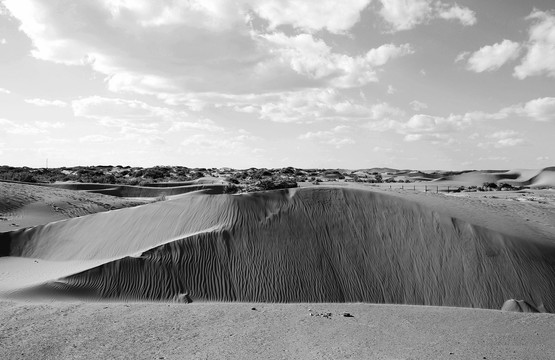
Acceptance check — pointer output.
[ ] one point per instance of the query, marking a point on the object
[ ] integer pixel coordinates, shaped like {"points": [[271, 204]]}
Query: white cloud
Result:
{"points": [[334, 16], [406, 14], [3, 41], [462, 56], [435, 128], [335, 137], [202, 124], [145, 47], [384, 111], [504, 138], [466, 16], [422, 127], [5, 91], [433, 138], [314, 59], [312, 105], [540, 48], [391, 90], [503, 134], [418, 105], [43, 102], [94, 138], [117, 39], [226, 146], [541, 109], [509, 142], [421, 123], [124, 113], [492, 57], [494, 158], [12, 127], [49, 125]]}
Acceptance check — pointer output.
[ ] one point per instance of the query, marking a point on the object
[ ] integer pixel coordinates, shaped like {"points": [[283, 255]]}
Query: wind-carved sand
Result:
{"points": [[299, 245], [318, 250]]}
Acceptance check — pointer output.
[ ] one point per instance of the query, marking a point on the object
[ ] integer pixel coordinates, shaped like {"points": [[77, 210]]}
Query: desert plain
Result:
{"points": [[280, 264]]}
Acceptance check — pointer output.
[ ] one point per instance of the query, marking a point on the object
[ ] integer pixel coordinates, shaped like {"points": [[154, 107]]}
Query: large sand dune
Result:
{"points": [[300, 245]]}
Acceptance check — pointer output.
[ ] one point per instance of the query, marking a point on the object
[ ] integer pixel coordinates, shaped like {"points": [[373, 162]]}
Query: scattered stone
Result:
{"points": [[326, 315], [519, 306], [184, 298], [253, 308], [347, 315]]}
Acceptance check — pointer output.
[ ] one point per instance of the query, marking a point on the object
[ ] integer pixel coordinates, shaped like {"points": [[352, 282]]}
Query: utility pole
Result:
{"points": [[47, 163]]}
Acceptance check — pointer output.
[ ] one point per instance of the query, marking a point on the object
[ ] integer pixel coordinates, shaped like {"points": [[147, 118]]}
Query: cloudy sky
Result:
{"points": [[421, 84]]}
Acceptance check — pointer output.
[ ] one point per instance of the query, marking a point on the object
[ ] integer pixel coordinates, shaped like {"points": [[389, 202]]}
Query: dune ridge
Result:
{"points": [[297, 245]]}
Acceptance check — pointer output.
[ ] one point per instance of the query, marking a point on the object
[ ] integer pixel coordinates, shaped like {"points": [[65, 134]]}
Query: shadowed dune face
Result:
{"points": [[302, 245], [143, 191]]}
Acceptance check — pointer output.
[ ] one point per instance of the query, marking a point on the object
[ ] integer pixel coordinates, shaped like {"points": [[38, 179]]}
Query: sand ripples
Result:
{"points": [[302, 245]]}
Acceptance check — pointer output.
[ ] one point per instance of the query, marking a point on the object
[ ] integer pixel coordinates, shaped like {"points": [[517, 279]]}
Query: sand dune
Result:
{"points": [[545, 178], [517, 177], [302, 245], [24, 205]]}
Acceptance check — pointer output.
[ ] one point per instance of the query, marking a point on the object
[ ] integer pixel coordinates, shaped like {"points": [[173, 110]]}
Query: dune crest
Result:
{"points": [[306, 245]]}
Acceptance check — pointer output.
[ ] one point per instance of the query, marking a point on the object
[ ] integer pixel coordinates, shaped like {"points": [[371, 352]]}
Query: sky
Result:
{"points": [[415, 84]]}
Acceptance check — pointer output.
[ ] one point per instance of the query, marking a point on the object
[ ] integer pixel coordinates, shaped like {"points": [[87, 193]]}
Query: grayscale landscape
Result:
{"points": [[277, 179]]}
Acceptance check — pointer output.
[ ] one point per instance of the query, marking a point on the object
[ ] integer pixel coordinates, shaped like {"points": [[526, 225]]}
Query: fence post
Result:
{"points": [[448, 188], [425, 188], [437, 189]]}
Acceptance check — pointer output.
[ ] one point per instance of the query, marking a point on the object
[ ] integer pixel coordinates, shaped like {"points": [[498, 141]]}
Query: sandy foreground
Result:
{"points": [[270, 331]]}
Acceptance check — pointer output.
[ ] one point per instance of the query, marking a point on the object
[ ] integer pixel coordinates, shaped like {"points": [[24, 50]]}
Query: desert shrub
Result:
{"points": [[490, 186], [334, 174], [27, 177], [154, 173], [231, 189], [272, 184], [132, 181], [505, 186], [161, 197], [196, 175], [232, 179]]}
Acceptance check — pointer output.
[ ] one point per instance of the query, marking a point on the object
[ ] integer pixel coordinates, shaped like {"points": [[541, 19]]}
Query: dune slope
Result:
{"points": [[155, 190], [303, 245]]}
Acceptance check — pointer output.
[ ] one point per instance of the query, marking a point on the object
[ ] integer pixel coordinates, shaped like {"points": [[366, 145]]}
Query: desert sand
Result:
{"points": [[371, 251], [271, 331]]}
